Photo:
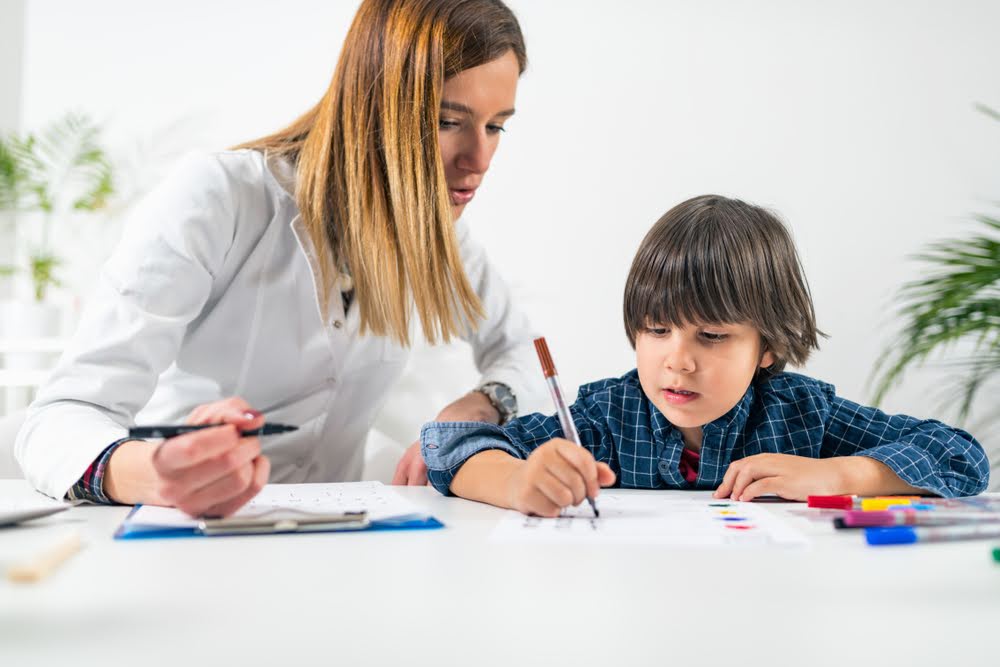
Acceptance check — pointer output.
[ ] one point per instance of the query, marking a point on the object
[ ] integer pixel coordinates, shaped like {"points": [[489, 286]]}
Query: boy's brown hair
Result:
{"points": [[714, 260]]}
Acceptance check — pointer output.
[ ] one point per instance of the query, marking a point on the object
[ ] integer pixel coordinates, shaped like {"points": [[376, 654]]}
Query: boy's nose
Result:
{"points": [[679, 359]]}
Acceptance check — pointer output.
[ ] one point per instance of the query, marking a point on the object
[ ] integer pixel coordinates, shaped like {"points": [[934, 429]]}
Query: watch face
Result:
{"points": [[502, 399]]}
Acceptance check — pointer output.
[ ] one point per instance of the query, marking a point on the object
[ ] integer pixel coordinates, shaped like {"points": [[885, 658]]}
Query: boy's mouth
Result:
{"points": [[678, 396]]}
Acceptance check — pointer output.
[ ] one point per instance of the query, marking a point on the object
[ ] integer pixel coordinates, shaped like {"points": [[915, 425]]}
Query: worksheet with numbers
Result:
{"points": [[652, 519]]}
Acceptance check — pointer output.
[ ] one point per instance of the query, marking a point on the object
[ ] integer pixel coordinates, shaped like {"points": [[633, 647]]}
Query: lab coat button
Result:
{"points": [[338, 324]]}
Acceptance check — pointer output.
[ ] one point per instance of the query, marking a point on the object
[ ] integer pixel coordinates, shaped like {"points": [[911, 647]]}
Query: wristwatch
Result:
{"points": [[501, 398]]}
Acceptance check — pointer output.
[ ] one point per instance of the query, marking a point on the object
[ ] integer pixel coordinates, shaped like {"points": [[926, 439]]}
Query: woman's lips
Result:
{"points": [[460, 196], [679, 396]]}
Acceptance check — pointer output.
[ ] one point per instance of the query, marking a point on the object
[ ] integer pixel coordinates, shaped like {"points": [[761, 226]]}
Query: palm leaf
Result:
{"points": [[65, 163], [956, 304], [11, 177]]}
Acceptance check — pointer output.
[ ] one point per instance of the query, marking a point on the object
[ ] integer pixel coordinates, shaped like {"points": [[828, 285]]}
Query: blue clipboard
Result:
{"points": [[132, 530]]}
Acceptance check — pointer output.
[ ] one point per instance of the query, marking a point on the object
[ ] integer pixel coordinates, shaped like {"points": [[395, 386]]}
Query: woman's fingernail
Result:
{"points": [[252, 414]]}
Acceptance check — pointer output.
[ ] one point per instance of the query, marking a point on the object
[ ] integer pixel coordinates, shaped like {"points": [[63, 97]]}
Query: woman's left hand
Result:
{"points": [[474, 406]]}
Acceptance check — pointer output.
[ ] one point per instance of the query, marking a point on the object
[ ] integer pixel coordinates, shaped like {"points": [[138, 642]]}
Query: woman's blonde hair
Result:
{"points": [[370, 180]]}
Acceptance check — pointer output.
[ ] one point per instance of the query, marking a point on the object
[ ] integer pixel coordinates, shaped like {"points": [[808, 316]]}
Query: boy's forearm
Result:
{"points": [[486, 477], [864, 476]]}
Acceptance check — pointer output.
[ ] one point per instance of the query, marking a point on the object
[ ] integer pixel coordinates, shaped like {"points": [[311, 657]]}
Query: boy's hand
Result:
{"points": [[788, 476], [558, 474]]}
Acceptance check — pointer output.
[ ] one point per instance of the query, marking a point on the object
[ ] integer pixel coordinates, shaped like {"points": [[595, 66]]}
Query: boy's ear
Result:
{"points": [[766, 359]]}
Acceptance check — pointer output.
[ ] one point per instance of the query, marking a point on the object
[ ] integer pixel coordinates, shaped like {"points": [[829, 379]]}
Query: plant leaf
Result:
{"points": [[957, 303]]}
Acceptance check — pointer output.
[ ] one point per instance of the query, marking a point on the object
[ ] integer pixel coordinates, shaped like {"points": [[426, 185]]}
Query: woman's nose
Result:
{"points": [[476, 154]]}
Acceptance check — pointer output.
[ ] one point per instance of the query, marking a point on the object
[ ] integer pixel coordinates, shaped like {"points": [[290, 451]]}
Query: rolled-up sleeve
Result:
{"points": [[926, 453], [446, 446]]}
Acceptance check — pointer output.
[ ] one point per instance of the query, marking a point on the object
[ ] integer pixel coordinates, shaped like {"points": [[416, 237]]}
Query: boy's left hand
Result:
{"points": [[785, 475]]}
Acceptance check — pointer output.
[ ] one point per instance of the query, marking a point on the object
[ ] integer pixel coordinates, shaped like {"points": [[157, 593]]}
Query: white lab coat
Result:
{"points": [[212, 293]]}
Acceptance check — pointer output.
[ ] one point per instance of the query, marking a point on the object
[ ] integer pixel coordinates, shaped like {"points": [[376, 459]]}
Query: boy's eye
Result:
{"points": [[495, 129], [657, 331], [714, 336]]}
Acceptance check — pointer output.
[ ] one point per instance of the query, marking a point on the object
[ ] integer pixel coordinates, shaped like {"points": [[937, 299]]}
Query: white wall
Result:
{"points": [[11, 69], [11, 66], [854, 119]]}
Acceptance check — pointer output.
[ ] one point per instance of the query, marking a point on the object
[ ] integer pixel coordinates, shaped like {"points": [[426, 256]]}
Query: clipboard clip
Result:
{"points": [[275, 522]]}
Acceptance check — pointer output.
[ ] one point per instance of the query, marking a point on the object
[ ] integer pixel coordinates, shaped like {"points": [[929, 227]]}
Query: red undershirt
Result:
{"points": [[689, 464]]}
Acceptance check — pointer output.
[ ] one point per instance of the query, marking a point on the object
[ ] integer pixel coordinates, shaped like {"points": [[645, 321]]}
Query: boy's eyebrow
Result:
{"points": [[461, 108]]}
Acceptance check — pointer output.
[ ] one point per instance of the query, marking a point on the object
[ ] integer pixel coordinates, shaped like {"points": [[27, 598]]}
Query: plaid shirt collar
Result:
{"points": [[733, 421], [718, 437]]}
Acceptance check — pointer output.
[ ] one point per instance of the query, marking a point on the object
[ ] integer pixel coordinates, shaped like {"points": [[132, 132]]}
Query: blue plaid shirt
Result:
{"points": [[788, 414]]}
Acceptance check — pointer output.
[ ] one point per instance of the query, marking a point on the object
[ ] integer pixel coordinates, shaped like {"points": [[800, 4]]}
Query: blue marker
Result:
{"points": [[912, 534]]}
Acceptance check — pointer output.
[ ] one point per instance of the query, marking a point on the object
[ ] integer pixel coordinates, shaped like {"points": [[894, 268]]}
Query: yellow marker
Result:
{"points": [[44, 563], [881, 504]]}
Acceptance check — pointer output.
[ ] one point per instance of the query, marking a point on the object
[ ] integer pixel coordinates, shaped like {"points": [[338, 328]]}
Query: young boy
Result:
{"points": [[716, 304]]}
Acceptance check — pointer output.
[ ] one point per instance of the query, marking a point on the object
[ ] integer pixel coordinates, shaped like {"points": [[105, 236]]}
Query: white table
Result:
{"points": [[451, 597]]}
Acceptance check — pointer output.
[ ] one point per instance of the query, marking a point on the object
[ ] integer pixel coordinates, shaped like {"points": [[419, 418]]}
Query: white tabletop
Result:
{"points": [[452, 597]]}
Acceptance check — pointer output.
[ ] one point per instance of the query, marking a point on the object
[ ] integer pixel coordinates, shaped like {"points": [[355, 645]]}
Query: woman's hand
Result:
{"points": [[474, 407], [212, 472], [558, 474]]}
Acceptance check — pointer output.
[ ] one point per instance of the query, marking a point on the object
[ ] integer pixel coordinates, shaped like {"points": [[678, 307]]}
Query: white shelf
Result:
{"points": [[32, 345], [23, 378]]}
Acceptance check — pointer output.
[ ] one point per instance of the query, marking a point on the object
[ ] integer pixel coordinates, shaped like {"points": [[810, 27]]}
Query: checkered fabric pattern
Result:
{"points": [[90, 486], [786, 414]]}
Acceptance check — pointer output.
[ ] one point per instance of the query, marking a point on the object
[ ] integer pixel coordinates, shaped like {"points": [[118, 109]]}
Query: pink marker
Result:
{"points": [[909, 517]]}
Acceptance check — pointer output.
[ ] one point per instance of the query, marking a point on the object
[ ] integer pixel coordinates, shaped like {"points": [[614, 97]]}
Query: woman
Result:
{"points": [[288, 275]]}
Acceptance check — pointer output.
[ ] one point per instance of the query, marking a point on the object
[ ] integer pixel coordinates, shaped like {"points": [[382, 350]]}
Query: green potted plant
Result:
{"points": [[954, 307], [44, 179]]}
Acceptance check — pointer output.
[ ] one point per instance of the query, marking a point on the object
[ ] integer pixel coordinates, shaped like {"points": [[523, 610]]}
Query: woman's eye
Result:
{"points": [[443, 123]]}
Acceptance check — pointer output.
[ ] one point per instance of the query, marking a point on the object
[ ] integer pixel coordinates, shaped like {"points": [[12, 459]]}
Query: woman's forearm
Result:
{"points": [[130, 477], [486, 477]]}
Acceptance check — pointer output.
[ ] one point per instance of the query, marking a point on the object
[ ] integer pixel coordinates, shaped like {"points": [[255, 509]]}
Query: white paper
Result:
{"points": [[20, 507], [28, 502], [378, 500], [657, 520]]}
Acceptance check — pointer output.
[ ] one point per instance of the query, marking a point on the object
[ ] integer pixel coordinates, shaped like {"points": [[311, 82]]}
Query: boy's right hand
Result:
{"points": [[558, 474]]}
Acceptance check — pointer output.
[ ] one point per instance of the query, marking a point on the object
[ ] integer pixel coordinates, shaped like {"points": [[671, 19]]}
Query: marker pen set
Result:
{"points": [[888, 520]]}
